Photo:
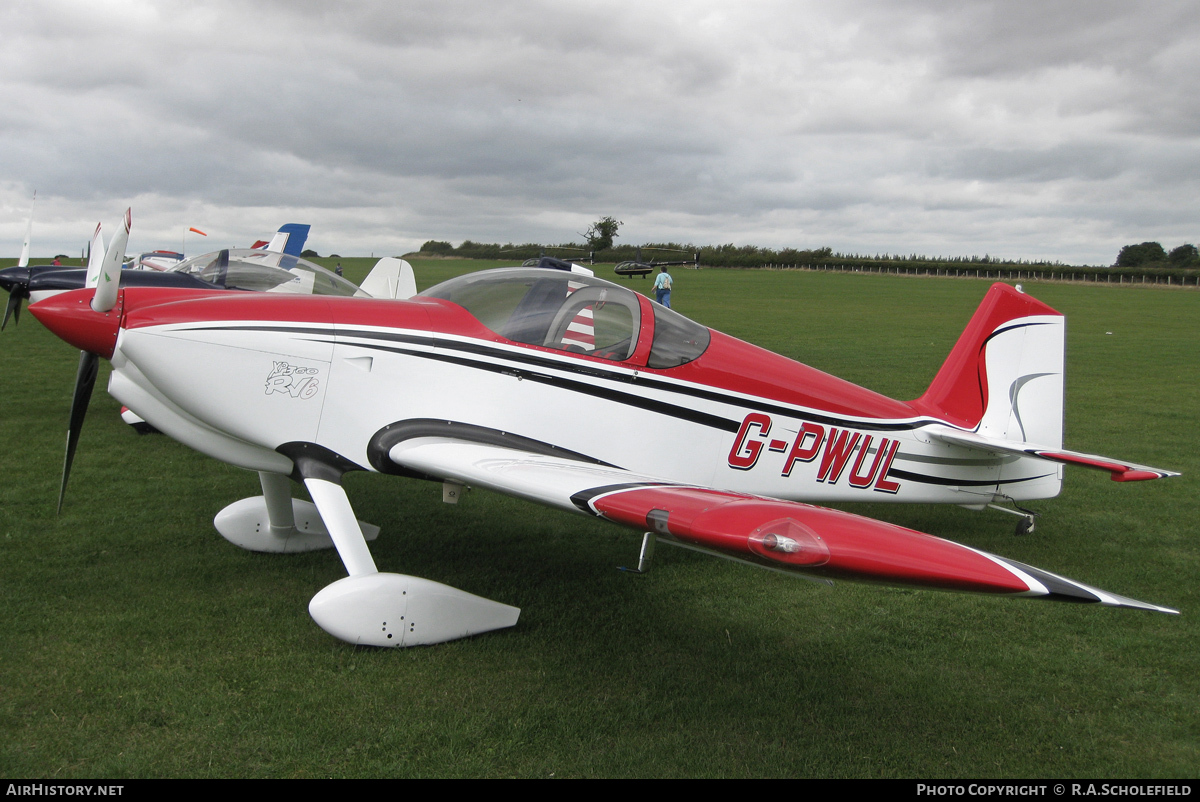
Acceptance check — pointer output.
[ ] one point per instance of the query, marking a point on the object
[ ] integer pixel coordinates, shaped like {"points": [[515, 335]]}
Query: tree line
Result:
{"points": [[1147, 256], [1152, 254], [598, 246]]}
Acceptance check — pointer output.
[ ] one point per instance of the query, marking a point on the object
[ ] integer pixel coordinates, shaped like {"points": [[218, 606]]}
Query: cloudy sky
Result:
{"points": [[1039, 129]]}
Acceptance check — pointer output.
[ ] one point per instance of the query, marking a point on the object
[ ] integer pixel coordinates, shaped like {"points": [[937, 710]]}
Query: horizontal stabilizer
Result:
{"points": [[1121, 471]]}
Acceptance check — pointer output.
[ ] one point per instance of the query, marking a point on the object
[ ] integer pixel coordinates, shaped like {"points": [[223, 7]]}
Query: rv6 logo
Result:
{"points": [[837, 449], [295, 380]]}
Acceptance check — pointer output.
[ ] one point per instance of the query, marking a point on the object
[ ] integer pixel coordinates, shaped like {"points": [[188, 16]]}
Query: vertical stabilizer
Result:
{"points": [[290, 239], [1004, 377]]}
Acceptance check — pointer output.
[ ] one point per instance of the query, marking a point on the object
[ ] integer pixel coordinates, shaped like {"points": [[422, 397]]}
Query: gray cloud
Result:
{"points": [[1016, 128]]}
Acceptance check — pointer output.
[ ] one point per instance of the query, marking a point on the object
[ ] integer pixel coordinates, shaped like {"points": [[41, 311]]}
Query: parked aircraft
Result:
{"points": [[656, 423], [640, 267], [40, 281]]}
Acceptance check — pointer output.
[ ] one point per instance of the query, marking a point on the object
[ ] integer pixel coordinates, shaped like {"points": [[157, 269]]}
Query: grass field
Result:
{"points": [[136, 642]]}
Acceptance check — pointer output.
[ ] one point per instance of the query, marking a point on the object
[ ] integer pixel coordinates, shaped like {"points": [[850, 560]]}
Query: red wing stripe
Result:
{"points": [[1088, 462], [1121, 472], [832, 544], [818, 540]]}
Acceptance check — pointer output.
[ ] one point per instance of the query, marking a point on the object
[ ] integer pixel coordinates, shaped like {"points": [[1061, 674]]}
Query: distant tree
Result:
{"points": [[1139, 255], [1184, 256], [601, 234], [310, 254], [436, 246]]}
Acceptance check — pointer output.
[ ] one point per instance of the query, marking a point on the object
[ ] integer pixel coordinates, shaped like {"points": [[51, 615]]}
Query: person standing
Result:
{"points": [[662, 287]]}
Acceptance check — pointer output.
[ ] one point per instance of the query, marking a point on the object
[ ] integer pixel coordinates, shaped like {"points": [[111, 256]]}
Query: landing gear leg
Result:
{"points": [[371, 608], [1026, 525], [276, 522]]}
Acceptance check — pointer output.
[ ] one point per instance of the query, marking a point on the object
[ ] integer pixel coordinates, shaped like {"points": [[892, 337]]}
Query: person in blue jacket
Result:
{"points": [[662, 287]]}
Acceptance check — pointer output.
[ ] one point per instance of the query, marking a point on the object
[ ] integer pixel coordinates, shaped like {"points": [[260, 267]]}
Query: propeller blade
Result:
{"points": [[85, 380], [16, 281], [13, 308], [24, 260], [222, 264], [109, 281], [96, 254]]}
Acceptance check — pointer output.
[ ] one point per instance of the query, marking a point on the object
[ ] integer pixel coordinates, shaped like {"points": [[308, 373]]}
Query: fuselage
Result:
{"points": [[246, 377]]}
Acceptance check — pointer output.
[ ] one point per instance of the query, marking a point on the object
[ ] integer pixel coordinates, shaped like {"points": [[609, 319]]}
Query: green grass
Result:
{"points": [[137, 643]]}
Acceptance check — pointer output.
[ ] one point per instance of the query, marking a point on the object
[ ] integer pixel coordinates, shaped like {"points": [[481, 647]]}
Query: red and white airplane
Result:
{"points": [[648, 419]]}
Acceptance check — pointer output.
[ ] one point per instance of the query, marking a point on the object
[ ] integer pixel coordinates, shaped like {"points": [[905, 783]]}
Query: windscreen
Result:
{"points": [[551, 308], [266, 271]]}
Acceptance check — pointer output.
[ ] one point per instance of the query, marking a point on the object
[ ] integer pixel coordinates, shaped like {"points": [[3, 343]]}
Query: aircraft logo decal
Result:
{"points": [[295, 380]]}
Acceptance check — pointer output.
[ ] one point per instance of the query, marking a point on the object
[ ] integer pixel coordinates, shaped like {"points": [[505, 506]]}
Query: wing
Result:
{"points": [[1120, 470], [782, 535]]}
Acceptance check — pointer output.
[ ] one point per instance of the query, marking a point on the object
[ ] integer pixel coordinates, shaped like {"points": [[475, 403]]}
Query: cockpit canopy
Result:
{"points": [[572, 312], [265, 271]]}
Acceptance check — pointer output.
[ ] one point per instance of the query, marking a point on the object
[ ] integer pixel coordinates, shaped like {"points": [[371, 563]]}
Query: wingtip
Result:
{"points": [[1134, 475], [1052, 587]]}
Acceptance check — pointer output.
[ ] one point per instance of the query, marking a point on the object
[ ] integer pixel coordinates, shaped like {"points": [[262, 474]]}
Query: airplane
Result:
{"points": [[275, 267], [40, 281], [288, 240], [656, 423], [159, 260]]}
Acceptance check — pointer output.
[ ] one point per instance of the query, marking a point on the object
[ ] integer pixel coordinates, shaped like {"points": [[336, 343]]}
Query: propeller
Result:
{"points": [[85, 380], [108, 282], [106, 273], [16, 280], [13, 307]]}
